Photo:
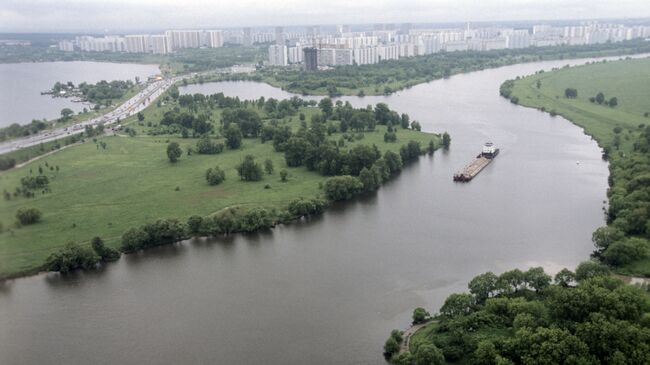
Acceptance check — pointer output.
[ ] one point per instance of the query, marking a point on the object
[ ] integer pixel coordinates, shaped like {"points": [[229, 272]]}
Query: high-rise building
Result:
{"points": [[179, 39], [66, 46], [137, 43], [158, 44], [310, 58], [214, 38], [247, 39], [279, 36], [278, 55]]}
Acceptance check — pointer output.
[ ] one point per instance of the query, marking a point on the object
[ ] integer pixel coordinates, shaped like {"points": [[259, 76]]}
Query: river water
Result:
{"points": [[22, 84], [328, 291]]}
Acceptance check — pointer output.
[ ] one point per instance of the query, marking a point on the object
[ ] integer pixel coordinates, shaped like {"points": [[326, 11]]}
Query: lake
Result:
{"points": [[21, 99], [329, 290]]}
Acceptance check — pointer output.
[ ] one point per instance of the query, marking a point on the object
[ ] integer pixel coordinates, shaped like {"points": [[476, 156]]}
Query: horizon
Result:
{"points": [[94, 16]]}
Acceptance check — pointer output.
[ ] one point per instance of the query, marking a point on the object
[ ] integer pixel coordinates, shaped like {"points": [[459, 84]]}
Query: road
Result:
{"points": [[137, 103]]}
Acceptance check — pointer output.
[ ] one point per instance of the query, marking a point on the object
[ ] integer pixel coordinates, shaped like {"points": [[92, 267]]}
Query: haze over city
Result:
{"points": [[124, 15]]}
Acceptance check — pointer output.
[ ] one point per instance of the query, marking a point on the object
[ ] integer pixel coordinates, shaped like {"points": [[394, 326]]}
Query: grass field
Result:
{"points": [[627, 80], [103, 192]]}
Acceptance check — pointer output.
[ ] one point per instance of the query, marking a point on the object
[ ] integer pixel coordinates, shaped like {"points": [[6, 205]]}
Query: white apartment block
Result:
{"points": [[214, 38], [137, 43], [278, 55], [179, 39], [295, 54], [158, 44], [66, 46]]}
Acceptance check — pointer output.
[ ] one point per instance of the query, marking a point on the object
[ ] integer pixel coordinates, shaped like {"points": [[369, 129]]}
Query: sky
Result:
{"points": [[128, 15]]}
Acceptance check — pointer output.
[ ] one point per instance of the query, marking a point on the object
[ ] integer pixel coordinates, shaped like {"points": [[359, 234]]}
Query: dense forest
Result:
{"points": [[582, 317]]}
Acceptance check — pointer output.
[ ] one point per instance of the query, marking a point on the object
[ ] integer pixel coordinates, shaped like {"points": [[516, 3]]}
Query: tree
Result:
{"points": [[249, 170], [66, 113], [173, 92], [590, 269], [369, 180], [485, 354], [393, 161], [483, 286], [174, 152], [71, 257], [105, 253], [342, 187], [27, 216], [295, 150], [420, 315], [458, 305], [405, 121], [565, 278], [570, 93], [600, 98], [205, 146], [233, 136], [446, 140], [537, 279], [626, 251], [215, 176], [391, 347], [603, 237], [429, 354], [268, 166], [283, 175], [140, 116], [613, 102], [194, 224], [326, 107], [511, 280], [431, 148]]}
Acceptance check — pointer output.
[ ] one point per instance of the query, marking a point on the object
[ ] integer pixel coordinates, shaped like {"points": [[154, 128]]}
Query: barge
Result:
{"points": [[488, 153]]}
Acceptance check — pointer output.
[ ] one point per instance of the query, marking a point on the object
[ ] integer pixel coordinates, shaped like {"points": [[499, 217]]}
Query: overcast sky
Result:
{"points": [[120, 15]]}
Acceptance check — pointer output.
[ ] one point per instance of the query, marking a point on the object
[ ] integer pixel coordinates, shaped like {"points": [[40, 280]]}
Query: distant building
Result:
{"points": [[214, 38], [247, 39], [66, 46], [279, 36], [137, 43], [278, 55], [310, 58], [158, 44], [179, 39]]}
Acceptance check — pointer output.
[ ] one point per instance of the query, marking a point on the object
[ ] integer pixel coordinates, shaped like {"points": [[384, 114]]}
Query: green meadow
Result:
{"points": [[105, 191]]}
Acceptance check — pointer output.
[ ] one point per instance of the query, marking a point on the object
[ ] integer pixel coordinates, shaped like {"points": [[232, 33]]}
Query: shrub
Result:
{"points": [[249, 170], [28, 216], [105, 253], [71, 257], [205, 146], [306, 207], [342, 187], [215, 176]]}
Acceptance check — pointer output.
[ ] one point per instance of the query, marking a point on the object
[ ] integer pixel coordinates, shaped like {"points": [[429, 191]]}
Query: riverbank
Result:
{"points": [[390, 76], [116, 183], [613, 109]]}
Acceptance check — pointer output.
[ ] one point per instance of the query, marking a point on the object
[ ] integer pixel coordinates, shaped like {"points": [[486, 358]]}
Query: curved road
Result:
{"points": [[137, 103]]}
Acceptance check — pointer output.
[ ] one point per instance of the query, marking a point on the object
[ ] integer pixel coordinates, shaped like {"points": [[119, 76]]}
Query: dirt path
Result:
{"points": [[404, 347]]}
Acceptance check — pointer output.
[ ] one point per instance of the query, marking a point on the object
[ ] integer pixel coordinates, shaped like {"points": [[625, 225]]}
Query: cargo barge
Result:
{"points": [[488, 153]]}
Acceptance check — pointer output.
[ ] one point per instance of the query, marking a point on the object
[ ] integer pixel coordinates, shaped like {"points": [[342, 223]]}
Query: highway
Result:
{"points": [[137, 103]]}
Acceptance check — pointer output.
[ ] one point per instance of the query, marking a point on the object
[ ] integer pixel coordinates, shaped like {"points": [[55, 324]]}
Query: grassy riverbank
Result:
{"points": [[622, 130], [99, 191]]}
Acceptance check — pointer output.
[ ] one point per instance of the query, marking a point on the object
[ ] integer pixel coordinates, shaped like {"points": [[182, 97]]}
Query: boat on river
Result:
{"points": [[488, 153]]}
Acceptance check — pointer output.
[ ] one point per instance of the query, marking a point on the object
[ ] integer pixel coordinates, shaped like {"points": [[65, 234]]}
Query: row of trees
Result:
{"points": [[586, 317], [74, 256]]}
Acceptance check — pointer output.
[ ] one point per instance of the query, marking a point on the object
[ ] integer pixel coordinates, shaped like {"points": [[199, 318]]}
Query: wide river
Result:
{"points": [[329, 291], [22, 84]]}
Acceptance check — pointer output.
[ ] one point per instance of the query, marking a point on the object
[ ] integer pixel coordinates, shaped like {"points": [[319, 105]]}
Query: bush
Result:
{"points": [[205, 146], [71, 257], [28, 216], [105, 253], [342, 187], [590, 269], [626, 251], [163, 231], [284, 175], [249, 170], [305, 207], [215, 176], [7, 163]]}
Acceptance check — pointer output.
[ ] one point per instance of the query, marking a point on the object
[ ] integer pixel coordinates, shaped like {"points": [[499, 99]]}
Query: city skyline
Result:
{"points": [[121, 15]]}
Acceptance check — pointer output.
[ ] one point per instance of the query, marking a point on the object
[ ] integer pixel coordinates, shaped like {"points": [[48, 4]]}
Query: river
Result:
{"points": [[328, 291], [21, 99]]}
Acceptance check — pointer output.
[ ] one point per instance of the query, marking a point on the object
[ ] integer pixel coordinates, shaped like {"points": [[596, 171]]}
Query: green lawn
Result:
{"points": [[106, 191], [627, 80]]}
